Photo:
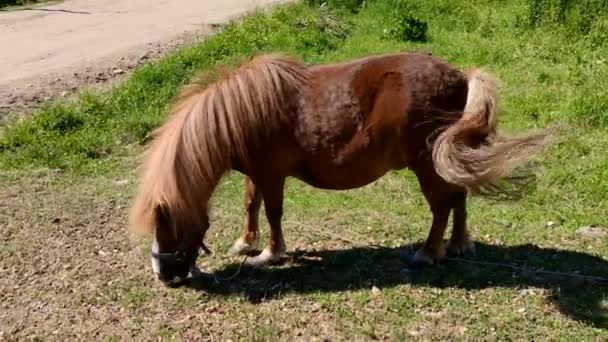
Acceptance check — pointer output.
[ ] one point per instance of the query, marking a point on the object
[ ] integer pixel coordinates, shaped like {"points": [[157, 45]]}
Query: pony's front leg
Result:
{"points": [[250, 234], [272, 193]]}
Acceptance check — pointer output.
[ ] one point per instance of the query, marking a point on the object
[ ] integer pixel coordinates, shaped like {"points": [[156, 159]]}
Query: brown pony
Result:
{"points": [[336, 126]]}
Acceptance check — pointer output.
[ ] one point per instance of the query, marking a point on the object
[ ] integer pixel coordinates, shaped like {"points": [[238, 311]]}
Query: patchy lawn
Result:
{"points": [[70, 270]]}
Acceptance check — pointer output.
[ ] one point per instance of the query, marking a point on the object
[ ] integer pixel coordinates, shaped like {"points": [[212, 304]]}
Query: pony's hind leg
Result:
{"points": [[460, 242], [250, 234], [272, 193], [433, 249], [441, 199]]}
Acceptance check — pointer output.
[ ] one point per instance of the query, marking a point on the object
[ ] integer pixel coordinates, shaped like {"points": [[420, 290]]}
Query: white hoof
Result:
{"points": [[265, 258], [241, 247]]}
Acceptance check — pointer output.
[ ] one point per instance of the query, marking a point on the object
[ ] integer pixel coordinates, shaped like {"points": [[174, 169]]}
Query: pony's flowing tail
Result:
{"points": [[470, 154]]}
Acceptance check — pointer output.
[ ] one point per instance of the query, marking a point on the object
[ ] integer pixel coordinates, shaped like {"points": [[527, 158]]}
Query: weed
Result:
{"points": [[407, 29], [353, 6], [321, 34], [590, 108], [579, 17]]}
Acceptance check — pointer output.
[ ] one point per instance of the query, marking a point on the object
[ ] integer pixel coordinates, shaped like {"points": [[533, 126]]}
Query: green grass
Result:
{"points": [[551, 58], [9, 3]]}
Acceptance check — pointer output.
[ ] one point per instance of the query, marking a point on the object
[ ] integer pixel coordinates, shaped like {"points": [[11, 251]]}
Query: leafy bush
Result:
{"points": [[406, 20], [407, 28], [321, 33]]}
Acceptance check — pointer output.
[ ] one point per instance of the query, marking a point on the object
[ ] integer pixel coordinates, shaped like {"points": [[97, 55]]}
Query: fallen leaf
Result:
{"points": [[121, 182], [461, 330], [593, 231]]}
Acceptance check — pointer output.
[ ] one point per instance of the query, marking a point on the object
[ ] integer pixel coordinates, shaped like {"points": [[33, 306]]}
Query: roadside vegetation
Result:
{"points": [[68, 171], [8, 3]]}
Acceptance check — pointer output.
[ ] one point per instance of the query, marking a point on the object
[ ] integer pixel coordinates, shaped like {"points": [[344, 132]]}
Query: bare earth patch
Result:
{"points": [[24, 95], [53, 50], [71, 271], [77, 274]]}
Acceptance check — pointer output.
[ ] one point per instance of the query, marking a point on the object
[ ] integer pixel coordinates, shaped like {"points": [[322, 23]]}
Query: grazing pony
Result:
{"points": [[333, 126]]}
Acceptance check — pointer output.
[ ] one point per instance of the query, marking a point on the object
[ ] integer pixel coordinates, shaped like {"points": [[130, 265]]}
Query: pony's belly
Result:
{"points": [[342, 177]]}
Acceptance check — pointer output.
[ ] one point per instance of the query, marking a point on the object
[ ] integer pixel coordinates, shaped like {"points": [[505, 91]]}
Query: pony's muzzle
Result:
{"points": [[177, 280], [172, 268], [170, 281]]}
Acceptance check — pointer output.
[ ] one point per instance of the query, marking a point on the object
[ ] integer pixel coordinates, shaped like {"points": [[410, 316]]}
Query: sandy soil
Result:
{"points": [[54, 49]]}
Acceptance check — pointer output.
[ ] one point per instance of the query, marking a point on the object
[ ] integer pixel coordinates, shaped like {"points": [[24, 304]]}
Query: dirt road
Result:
{"points": [[53, 49]]}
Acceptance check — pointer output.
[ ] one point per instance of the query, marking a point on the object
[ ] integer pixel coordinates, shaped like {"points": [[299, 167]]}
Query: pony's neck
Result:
{"points": [[198, 194]]}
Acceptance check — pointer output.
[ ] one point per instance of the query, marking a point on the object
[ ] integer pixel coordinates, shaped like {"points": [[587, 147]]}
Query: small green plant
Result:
{"points": [[6, 3], [321, 33], [353, 6], [407, 28]]}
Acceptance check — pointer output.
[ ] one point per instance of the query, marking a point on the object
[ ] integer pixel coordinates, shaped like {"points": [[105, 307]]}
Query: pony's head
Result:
{"points": [[175, 246], [171, 204], [177, 178], [176, 239]]}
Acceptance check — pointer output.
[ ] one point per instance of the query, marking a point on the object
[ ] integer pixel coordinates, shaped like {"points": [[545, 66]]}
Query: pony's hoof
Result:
{"points": [[264, 259], [240, 247], [461, 247], [424, 258]]}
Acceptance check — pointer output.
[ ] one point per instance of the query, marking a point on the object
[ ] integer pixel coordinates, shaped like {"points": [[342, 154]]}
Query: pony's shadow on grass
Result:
{"points": [[563, 273]]}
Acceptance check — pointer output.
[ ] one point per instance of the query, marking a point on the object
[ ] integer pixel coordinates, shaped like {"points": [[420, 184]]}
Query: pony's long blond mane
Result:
{"points": [[209, 128]]}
